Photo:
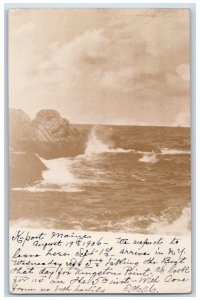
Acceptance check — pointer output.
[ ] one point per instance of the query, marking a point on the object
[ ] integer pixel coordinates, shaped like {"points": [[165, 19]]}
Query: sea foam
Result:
{"points": [[180, 226], [155, 225], [58, 171], [173, 151], [96, 146], [149, 158]]}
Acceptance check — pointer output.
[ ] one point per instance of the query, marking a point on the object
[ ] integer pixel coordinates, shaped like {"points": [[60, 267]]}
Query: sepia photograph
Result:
{"points": [[99, 120]]}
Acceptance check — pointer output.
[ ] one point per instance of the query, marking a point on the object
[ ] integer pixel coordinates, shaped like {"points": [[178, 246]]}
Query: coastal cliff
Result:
{"points": [[48, 134]]}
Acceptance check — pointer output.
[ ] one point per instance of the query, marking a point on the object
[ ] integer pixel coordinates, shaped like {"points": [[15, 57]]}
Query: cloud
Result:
{"points": [[134, 62], [74, 61], [118, 80]]}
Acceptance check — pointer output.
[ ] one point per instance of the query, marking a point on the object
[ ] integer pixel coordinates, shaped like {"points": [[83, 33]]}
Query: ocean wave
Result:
{"points": [[74, 174], [102, 172], [152, 224], [180, 226], [57, 178], [27, 223], [58, 171], [152, 157], [149, 158], [149, 224], [96, 146], [65, 175], [40, 189], [173, 151], [138, 177]]}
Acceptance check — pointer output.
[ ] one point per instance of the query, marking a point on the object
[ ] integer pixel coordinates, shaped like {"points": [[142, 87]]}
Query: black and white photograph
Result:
{"points": [[99, 119], [99, 150]]}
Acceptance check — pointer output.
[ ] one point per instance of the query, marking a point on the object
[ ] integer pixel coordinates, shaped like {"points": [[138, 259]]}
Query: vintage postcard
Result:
{"points": [[99, 151]]}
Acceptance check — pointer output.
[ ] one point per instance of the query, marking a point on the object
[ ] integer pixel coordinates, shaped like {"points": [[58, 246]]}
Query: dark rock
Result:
{"points": [[18, 123], [50, 127], [48, 134], [25, 169]]}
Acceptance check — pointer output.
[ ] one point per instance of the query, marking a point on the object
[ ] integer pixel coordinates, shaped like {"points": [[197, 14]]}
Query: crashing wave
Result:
{"points": [[156, 225], [96, 146], [149, 158], [180, 226], [173, 151]]}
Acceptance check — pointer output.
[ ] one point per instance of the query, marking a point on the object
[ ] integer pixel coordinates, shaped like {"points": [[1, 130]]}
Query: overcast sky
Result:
{"points": [[102, 66]]}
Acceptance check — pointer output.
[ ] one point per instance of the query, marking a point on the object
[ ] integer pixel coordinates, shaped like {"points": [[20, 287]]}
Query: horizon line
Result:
{"points": [[103, 124], [136, 125]]}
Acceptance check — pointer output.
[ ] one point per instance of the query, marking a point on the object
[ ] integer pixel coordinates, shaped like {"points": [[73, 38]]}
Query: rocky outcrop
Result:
{"points": [[24, 169], [50, 127], [19, 128], [48, 134]]}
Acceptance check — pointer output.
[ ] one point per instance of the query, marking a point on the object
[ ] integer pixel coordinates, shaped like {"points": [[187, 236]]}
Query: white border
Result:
{"points": [[197, 146], [197, 2]]}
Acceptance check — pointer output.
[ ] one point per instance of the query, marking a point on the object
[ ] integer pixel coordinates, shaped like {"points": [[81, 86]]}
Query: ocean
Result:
{"points": [[141, 186]]}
